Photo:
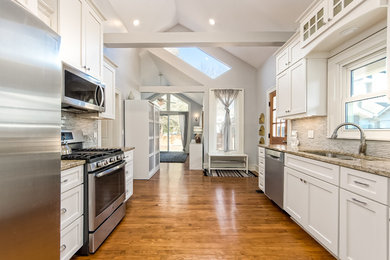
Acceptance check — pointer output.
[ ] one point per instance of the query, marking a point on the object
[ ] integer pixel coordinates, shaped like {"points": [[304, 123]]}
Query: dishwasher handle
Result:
{"points": [[274, 155]]}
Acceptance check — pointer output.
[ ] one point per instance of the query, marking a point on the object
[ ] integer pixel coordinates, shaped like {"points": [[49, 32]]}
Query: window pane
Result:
{"points": [[161, 102], [176, 104], [370, 78], [220, 118], [200, 60], [372, 113], [274, 130], [274, 103], [274, 117], [283, 130]]}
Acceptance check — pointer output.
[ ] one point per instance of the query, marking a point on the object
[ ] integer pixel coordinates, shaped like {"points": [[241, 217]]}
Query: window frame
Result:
{"points": [[239, 121], [339, 89], [275, 139]]}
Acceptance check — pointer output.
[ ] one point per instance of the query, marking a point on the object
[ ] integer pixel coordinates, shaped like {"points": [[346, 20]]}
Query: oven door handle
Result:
{"points": [[102, 93], [106, 172]]}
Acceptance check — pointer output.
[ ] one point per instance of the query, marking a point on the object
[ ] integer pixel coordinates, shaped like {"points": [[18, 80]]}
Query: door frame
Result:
{"points": [[173, 113]]}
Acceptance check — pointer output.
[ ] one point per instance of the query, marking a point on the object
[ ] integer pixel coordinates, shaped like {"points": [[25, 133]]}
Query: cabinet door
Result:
{"points": [[323, 213], [109, 91], [298, 88], [295, 51], [283, 94], [295, 195], [339, 8], [282, 60], [314, 25], [93, 43], [70, 29], [363, 228]]}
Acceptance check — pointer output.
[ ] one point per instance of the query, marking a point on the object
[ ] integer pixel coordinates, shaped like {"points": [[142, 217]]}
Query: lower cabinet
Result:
{"points": [[261, 167], [363, 228], [314, 205], [71, 211], [129, 174]]}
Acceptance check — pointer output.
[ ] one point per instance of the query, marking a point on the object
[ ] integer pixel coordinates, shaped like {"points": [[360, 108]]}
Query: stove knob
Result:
{"points": [[112, 159], [99, 164]]}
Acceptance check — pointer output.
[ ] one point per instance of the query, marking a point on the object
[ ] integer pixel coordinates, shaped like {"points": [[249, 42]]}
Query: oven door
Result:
{"points": [[82, 91], [106, 193]]}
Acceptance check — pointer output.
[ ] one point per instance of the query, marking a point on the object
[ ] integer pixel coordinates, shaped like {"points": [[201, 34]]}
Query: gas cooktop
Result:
{"points": [[96, 158]]}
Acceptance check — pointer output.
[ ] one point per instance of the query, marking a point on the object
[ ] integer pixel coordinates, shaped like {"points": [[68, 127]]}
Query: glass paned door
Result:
{"points": [[170, 133]]}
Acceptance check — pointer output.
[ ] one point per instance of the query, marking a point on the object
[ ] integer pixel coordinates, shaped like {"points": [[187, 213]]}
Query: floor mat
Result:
{"points": [[173, 157]]}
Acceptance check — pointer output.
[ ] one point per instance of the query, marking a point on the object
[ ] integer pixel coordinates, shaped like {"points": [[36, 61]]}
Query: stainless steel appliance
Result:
{"points": [[274, 176], [30, 121], [81, 92], [106, 191]]}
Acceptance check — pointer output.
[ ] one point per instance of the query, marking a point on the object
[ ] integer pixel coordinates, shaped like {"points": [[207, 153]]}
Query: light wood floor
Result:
{"points": [[180, 214]]}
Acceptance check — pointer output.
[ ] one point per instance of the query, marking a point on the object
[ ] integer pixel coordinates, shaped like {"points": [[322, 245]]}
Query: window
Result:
{"points": [[278, 127], [366, 103], [201, 61], [216, 124], [220, 112], [357, 90]]}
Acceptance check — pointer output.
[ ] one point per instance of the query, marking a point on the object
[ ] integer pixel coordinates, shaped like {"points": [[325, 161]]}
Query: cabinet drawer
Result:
{"points": [[261, 171], [129, 156], [71, 239], [71, 205], [323, 171], [129, 189], [261, 151], [365, 184], [261, 161], [71, 178]]}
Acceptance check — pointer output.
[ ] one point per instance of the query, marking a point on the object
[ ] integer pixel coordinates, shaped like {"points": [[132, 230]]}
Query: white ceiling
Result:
{"points": [[230, 16]]}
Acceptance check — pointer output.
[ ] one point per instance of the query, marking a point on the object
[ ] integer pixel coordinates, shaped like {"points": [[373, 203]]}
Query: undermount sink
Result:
{"points": [[341, 156]]}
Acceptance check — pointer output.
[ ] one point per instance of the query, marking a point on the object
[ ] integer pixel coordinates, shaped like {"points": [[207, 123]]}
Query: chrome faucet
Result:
{"points": [[363, 145]]}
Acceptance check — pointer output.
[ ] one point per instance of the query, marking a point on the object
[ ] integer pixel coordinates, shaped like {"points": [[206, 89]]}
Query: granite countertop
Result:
{"points": [[127, 148], [374, 165], [67, 164]]}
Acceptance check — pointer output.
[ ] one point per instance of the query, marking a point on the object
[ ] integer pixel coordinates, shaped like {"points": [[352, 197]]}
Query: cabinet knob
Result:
{"points": [[66, 180], [63, 210], [63, 247], [88, 68], [84, 67]]}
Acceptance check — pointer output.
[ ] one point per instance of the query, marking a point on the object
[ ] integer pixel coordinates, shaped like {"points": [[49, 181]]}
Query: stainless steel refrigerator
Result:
{"points": [[30, 115]]}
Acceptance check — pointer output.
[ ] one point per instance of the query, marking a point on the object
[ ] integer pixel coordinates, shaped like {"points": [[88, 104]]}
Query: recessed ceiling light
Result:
{"points": [[136, 22], [211, 21]]}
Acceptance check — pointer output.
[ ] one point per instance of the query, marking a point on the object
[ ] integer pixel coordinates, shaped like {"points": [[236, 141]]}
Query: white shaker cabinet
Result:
{"points": [[81, 31], [93, 43], [196, 158], [129, 173], [261, 168], [109, 90], [363, 228], [295, 195], [314, 205], [289, 54], [301, 89]]}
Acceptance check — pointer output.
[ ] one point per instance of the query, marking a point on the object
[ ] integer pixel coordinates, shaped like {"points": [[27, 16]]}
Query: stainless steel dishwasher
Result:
{"points": [[274, 176]]}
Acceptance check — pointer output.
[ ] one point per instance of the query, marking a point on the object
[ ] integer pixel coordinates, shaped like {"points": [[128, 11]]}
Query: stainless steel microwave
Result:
{"points": [[81, 92]]}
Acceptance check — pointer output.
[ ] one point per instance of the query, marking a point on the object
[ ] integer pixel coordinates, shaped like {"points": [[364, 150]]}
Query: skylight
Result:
{"points": [[200, 60]]}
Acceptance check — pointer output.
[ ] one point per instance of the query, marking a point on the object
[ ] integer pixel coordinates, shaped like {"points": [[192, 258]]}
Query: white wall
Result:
{"points": [[128, 71], [241, 75], [266, 79]]}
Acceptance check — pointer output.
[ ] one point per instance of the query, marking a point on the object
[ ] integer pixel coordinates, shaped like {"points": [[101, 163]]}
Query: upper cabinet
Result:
{"points": [[289, 55], [301, 89], [338, 8], [314, 23], [81, 32], [109, 89]]}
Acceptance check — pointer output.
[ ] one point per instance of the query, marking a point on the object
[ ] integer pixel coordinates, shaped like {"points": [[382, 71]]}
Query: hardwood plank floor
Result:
{"points": [[180, 214]]}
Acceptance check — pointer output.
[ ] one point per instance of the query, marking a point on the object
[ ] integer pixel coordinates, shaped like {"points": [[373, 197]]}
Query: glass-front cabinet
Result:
{"points": [[314, 23], [323, 14], [339, 8]]}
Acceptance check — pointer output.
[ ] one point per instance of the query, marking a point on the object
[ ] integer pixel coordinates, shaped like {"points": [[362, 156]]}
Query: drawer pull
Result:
{"points": [[63, 210], [362, 183], [359, 201], [66, 180], [62, 248]]}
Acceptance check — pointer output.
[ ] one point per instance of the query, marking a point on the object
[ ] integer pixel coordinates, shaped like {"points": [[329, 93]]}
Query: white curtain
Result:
{"points": [[226, 96], [182, 122]]}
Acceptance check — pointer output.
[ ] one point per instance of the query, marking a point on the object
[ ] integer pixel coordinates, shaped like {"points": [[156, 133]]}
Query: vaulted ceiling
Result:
{"points": [[229, 16]]}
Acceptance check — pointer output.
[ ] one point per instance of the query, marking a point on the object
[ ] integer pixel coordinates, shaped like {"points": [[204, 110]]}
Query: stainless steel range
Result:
{"points": [[106, 191]]}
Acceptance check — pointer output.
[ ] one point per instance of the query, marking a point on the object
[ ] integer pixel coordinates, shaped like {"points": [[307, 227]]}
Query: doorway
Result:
{"points": [[172, 132]]}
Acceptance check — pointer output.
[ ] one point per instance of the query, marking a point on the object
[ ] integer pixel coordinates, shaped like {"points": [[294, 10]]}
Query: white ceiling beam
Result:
{"points": [[199, 39], [172, 89]]}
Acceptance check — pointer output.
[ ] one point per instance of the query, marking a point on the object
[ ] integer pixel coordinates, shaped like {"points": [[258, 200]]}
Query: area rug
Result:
{"points": [[173, 157], [229, 173]]}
